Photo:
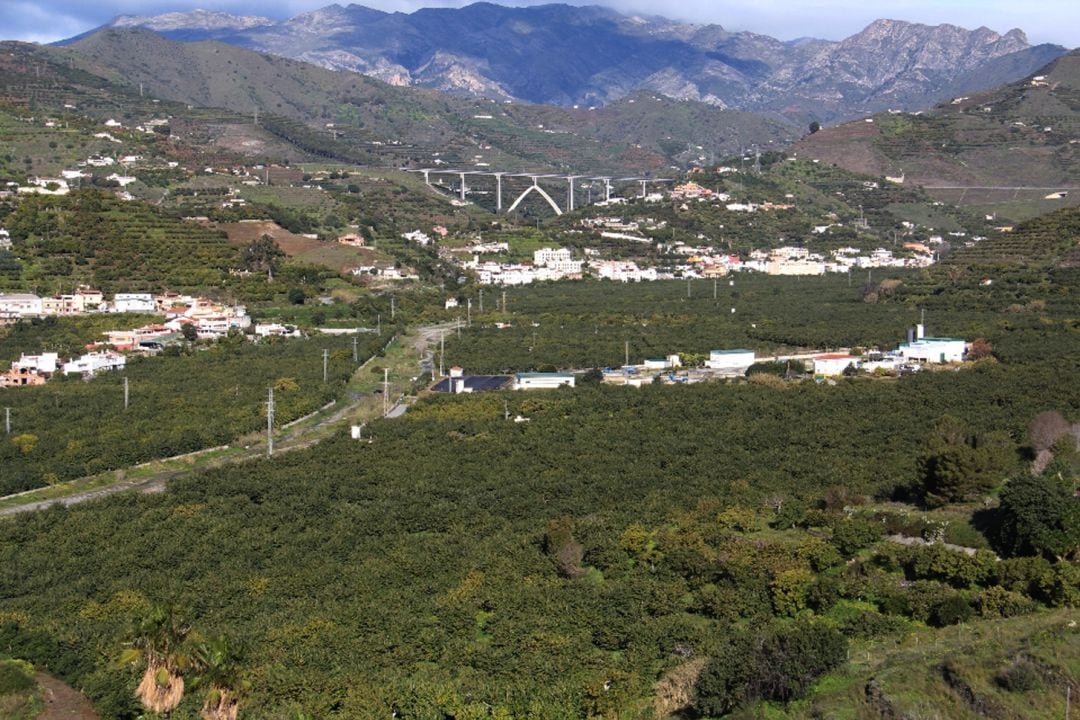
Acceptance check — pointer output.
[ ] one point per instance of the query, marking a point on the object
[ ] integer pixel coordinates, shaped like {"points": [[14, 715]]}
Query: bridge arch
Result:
{"points": [[536, 187]]}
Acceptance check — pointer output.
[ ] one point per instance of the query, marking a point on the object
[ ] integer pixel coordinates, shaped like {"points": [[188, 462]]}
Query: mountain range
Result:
{"points": [[592, 56], [352, 118]]}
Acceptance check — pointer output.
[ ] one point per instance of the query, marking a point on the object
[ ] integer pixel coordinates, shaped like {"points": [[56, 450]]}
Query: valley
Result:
{"points": [[354, 374]]}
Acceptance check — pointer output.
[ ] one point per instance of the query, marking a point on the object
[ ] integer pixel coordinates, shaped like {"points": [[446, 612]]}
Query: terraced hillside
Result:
{"points": [[91, 237], [1015, 143], [1046, 242]]}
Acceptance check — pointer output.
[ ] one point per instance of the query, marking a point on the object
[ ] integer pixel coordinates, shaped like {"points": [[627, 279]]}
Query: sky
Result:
{"points": [[1055, 21]]}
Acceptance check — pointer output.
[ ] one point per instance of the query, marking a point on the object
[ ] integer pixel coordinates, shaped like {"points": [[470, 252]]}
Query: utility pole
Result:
{"points": [[392, 311], [325, 363], [270, 424], [442, 351], [481, 300], [7, 421], [504, 301], [355, 353], [468, 312], [256, 116], [379, 321], [714, 288], [126, 394], [687, 288], [386, 392], [627, 361]]}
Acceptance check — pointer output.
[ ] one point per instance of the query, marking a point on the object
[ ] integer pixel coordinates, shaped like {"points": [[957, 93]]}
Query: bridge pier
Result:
{"points": [[462, 176]]}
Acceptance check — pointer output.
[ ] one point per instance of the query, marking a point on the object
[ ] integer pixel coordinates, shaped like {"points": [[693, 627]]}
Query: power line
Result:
{"points": [[386, 392], [270, 424]]}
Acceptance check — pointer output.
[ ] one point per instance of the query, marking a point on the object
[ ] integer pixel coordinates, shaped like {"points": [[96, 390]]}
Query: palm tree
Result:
{"points": [[218, 662], [160, 643]]}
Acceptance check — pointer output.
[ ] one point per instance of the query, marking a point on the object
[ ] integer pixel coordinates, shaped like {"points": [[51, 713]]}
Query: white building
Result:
{"points": [[542, 381], [122, 180], [557, 260], [43, 364], [5, 240], [20, 304], [92, 363], [623, 271], [933, 350], [730, 360], [134, 303], [420, 238], [833, 364], [277, 330]]}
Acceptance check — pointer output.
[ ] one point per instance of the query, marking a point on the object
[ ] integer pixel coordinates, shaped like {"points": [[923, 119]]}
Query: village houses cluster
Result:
{"points": [[694, 259], [209, 320]]}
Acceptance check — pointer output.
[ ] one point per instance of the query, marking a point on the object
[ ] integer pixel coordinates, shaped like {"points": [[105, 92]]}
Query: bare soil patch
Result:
{"points": [[63, 702]]}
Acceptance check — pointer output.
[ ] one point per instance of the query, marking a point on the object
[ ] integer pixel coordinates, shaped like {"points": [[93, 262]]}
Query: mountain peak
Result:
{"points": [[197, 19]]}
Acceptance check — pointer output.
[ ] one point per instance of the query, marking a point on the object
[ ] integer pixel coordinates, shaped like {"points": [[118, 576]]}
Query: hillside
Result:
{"points": [[353, 117], [90, 237], [559, 54], [1024, 134], [54, 103]]}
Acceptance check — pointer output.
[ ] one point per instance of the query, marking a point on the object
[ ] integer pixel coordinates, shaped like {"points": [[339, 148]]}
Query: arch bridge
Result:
{"points": [[572, 198]]}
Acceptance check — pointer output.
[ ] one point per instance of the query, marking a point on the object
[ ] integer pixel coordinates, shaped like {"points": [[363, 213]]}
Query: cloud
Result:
{"points": [[1043, 20]]}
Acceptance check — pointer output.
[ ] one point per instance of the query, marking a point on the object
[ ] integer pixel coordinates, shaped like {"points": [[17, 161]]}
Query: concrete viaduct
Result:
{"points": [[535, 187]]}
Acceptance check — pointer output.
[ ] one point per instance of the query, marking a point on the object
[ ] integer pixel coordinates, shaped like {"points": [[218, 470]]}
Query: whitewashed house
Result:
{"points": [[134, 303], [92, 363], [20, 304]]}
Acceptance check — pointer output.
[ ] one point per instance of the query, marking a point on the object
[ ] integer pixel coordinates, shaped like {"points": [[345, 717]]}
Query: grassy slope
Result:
{"points": [[951, 673]]}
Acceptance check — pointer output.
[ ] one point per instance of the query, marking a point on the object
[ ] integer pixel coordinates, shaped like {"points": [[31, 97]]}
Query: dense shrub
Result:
{"points": [[1020, 676], [779, 665]]}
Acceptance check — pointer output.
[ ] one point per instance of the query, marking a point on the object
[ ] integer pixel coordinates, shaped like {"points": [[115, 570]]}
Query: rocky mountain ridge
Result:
{"points": [[566, 55]]}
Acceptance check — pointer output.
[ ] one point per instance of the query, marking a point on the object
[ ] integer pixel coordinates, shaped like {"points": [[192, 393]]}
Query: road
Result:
{"points": [[300, 436]]}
